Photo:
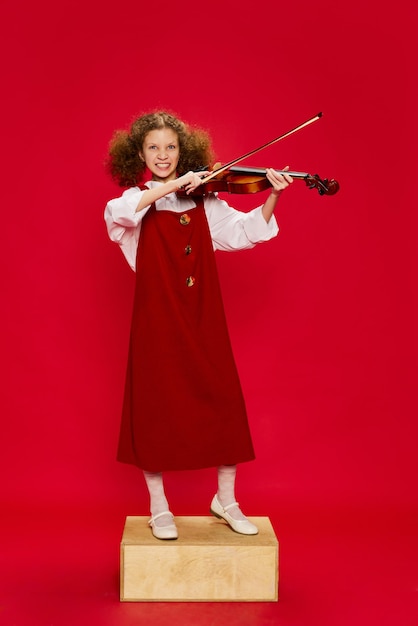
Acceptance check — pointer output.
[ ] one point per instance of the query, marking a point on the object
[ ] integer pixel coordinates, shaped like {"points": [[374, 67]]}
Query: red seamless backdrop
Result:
{"points": [[322, 319]]}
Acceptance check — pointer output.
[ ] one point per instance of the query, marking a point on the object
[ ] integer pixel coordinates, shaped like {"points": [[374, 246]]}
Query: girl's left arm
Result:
{"points": [[279, 182], [237, 230]]}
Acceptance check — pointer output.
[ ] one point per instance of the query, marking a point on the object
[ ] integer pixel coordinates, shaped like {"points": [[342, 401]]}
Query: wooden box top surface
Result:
{"points": [[198, 531]]}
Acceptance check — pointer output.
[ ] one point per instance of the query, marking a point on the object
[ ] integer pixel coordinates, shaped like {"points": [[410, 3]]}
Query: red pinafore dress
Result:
{"points": [[183, 404]]}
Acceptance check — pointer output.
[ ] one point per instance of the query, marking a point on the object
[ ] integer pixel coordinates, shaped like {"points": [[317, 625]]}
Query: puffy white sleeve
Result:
{"points": [[235, 230], [123, 222]]}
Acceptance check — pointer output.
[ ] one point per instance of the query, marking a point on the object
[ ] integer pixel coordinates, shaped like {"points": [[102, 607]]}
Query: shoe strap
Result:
{"points": [[229, 506], [154, 517]]}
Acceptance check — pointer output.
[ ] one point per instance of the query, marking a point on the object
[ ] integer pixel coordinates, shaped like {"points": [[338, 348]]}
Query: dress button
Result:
{"points": [[184, 219], [188, 250], [190, 281]]}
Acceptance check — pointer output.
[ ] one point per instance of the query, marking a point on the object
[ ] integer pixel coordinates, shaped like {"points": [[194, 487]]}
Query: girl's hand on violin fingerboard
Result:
{"points": [[279, 182]]}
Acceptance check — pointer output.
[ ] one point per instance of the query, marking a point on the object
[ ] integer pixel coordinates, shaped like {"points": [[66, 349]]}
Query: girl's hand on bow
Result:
{"points": [[190, 181], [279, 182]]}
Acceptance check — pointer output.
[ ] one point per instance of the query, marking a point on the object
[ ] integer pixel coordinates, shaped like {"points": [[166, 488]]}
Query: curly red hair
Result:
{"points": [[123, 162]]}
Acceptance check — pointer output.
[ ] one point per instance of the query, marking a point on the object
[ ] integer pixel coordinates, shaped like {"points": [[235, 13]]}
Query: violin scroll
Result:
{"points": [[324, 186]]}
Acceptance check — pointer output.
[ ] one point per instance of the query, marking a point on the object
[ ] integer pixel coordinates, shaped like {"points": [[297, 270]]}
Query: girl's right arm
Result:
{"points": [[123, 215], [188, 182]]}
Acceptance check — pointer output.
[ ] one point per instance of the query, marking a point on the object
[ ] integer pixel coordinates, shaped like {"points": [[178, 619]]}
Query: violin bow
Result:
{"points": [[266, 145]]}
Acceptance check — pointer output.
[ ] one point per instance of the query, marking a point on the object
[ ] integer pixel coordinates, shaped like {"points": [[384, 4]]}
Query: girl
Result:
{"points": [[183, 405]]}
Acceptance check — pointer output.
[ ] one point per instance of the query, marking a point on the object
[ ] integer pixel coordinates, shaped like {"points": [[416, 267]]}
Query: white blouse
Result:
{"points": [[230, 229]]}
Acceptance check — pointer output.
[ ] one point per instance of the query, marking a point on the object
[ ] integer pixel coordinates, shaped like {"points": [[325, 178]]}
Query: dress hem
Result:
{"points": [[187, 467]]}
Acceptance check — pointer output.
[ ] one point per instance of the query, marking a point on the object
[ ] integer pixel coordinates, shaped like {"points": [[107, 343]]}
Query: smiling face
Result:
{"points": [[161, 153]]}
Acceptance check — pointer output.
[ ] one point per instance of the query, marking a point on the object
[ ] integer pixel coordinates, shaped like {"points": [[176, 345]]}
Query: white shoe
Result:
{"points": [[163, 532], [244, 527]]}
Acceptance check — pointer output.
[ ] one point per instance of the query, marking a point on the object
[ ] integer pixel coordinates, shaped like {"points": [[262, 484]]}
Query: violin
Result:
{"points": [[240, 179], [235, 179]]}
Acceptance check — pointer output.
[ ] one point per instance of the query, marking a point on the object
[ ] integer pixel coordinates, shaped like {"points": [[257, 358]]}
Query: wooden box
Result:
{"points": [[207, 563]]}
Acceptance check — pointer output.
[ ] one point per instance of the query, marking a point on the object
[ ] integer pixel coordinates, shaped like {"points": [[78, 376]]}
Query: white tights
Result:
{"points": [[226, 490], [158, 501], [226, 493]]}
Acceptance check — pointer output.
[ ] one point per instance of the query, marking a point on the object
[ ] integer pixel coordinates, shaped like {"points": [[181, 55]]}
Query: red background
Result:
{"points": [[322, 319]]}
